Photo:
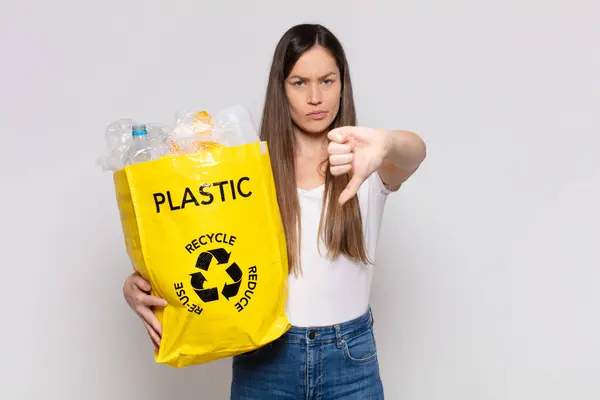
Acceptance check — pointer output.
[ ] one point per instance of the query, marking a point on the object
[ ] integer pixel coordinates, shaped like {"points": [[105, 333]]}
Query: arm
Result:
{"points": [[404, 153]]}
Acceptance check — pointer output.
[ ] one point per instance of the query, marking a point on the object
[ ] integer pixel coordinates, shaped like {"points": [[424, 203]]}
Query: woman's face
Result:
{"points": [[313, 90]]}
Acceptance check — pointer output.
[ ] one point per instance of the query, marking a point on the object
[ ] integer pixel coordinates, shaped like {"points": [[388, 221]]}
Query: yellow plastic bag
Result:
{"points": [[205, 230]]}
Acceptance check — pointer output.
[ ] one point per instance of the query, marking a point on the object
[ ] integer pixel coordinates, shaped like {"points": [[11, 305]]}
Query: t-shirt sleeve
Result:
{"points": [[375, 198], [378, 186]]}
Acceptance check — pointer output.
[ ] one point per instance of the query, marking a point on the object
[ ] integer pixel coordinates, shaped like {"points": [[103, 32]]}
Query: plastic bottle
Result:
{"points": [[140, 149]]}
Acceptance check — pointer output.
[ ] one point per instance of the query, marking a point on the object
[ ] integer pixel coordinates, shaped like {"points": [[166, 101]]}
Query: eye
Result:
{"points": [[328, 81], [298, 83]]}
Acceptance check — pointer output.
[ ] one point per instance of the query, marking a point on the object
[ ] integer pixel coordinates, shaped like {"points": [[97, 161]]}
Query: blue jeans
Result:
{"points": [[334, 362]]}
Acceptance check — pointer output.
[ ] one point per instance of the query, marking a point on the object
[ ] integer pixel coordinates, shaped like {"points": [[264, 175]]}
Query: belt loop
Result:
{"points": [[338, 336], [371, 319]]}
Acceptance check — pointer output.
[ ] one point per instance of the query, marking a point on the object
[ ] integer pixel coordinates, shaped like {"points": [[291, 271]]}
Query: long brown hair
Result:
{"points": [[340, 226]]}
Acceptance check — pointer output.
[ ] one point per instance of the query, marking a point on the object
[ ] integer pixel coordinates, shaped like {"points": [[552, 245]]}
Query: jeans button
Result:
{"points": [[311, 335]]}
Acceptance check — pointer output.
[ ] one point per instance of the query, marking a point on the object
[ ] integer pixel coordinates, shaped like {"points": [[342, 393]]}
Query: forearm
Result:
{"points": [[405, 150]]}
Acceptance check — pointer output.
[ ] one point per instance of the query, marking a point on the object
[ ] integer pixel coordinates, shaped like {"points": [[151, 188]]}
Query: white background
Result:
{"points": [[488, 275]]}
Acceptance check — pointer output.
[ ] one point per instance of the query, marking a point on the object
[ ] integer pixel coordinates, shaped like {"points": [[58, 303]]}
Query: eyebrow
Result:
{"points": [[322, 77]]}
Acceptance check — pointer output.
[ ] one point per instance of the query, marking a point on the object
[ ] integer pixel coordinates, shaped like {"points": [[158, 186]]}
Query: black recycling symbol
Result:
{"points": [[212, 293]]}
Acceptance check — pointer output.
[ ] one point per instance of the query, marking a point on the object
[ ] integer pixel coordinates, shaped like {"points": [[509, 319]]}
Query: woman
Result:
{"points": [[332, 182]]}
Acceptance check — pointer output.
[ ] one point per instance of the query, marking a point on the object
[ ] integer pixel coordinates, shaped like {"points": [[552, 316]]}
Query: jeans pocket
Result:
{"points": [[361, 349]]}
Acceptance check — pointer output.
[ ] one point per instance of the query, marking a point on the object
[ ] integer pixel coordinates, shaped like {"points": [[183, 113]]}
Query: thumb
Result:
{"points": [[351, 189]]}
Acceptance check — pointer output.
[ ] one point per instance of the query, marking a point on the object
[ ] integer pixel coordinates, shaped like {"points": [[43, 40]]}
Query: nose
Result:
{"points": [[315, 96]]}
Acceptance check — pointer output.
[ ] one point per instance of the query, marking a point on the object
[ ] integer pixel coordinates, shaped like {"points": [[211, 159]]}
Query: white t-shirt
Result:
{"points": [[328, 291]]}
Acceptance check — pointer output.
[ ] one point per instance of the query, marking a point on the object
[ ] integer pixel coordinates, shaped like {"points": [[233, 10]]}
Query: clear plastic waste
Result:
{"points": [[197, 130], [130, 142], [140, 149], [193, 132]]}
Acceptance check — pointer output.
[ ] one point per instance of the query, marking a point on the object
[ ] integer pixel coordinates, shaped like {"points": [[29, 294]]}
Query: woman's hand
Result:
{"points": [[136, 291], [356, 149], [395, 155]]}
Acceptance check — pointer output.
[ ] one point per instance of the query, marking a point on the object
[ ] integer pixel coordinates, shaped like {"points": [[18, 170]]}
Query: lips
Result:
{"points": [[317, 114]]}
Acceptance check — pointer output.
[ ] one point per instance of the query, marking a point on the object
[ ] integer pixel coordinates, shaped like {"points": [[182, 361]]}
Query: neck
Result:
{"points": [[310, 146]]}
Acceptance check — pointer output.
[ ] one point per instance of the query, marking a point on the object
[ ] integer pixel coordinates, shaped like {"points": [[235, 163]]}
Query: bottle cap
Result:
{"points": [[138, 130]]}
